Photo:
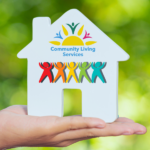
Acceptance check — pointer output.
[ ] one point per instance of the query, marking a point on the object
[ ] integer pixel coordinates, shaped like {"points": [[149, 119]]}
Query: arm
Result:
{"points": [[51, 65], [41, 66], [55, 66], [88, 65], [67, 66], [52, 131], [79, 66], [75, 66], [92, 65], [102, 66], [64, 66]]}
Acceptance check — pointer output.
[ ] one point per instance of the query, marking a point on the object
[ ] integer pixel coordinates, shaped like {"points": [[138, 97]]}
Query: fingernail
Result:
{"points": [[127, 133], [139, 133]]}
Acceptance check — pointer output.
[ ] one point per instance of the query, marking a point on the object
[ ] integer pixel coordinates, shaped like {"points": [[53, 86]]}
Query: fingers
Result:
{"points": [[123, 119], [73, 123], [114, 129], [70, 142], [52, 125], [77, 134], [137, 128], [109, 130], [63, 143], [134, 127]]}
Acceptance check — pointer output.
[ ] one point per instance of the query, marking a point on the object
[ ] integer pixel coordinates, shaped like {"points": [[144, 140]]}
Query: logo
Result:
{"points": [[75, 39]]}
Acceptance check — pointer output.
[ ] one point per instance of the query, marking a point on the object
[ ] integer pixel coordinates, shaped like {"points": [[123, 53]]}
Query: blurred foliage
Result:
{"points": [[127, 22]]}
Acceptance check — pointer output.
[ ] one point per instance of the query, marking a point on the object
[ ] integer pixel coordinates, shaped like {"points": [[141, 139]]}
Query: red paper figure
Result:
{"points": [[46, 67]]}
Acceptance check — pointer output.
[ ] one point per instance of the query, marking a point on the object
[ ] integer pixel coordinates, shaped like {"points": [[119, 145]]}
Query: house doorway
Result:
{"points": [[72, 102]]}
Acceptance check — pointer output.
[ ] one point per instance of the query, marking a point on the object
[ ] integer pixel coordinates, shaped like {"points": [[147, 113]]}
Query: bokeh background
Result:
{"points": [[127, 22]]}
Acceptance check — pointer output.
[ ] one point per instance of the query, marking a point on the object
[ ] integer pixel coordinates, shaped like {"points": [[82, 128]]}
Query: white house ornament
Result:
{"points": [[72, 53]]}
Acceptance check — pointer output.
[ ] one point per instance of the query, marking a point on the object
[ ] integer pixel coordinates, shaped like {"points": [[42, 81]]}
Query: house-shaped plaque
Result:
{"points": [[72, 53]]}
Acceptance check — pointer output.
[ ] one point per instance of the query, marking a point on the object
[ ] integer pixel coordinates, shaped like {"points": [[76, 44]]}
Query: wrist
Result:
{"points": [[2, 136], [4, 132], [2, 143]]}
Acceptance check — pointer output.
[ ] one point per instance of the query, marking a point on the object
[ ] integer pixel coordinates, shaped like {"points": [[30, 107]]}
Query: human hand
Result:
{"points": [[19, 129]]}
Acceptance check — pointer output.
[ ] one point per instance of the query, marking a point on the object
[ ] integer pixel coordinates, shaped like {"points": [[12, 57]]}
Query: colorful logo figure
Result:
{"points": [[72, 68], [60, 67], [73, 27], [97, 71], [83, 72], [46, 67], [87, 35], [58, 35], [73, 40]]}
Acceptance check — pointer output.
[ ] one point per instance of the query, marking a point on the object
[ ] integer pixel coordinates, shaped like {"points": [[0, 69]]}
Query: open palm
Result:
{"points": [[19, 129]]}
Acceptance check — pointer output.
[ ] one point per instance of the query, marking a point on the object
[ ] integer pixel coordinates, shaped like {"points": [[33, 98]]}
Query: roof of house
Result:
{"points": [[43, 32]]}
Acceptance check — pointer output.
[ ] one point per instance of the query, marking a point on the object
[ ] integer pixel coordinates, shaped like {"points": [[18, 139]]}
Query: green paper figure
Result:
{"points": [[98, 66], [83, 72], [73, 27]]}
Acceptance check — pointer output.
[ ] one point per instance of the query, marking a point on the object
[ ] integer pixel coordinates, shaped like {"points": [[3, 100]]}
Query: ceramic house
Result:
{"points": [[89, 62]]}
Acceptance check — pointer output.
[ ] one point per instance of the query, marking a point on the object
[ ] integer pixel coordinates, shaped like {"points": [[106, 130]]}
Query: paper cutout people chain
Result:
{"points": [[72, 67]]}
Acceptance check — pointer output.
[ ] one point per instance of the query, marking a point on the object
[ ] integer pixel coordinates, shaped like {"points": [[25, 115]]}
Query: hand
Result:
{"points": [[19, 129]]}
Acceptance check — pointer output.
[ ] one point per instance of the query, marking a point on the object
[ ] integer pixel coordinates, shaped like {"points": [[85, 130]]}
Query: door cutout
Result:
{"points": [[72, 102]]}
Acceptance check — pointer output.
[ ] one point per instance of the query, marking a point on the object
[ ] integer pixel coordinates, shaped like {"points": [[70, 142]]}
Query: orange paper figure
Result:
{"points": [[72, 67], [60, 67]]}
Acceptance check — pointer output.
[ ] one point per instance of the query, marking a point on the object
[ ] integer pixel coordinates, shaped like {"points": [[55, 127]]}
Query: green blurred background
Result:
{"points": [[127, 22]]}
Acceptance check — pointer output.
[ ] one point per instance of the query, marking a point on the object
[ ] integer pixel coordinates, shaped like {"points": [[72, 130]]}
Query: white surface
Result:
{"points": [[98, 99]]}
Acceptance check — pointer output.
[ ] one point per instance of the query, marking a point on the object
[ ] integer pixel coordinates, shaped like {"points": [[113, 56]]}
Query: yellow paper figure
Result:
{"points": [[72, 67]]}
